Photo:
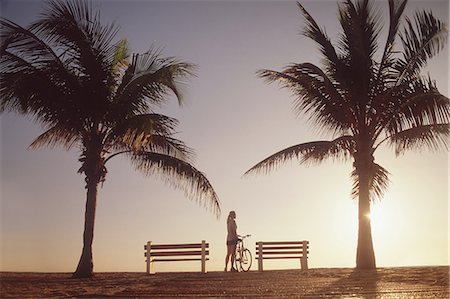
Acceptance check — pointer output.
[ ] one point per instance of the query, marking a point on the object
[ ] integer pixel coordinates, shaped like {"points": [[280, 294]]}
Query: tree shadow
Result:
{"points": [[361, 284]]}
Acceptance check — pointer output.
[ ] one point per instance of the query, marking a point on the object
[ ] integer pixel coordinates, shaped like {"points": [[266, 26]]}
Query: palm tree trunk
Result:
{"points": [[95, 171], [86, 265], [365, 256]]}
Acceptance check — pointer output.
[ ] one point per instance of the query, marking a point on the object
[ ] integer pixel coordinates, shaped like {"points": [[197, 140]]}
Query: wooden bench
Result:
{"points": [[176, 252], [282, 250]]}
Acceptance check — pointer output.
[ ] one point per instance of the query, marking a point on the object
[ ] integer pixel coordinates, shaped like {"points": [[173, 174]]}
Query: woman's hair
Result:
{"points": [[231, 215]]}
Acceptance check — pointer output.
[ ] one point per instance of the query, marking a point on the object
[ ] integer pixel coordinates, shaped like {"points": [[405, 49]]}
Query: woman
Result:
{"points": [[232, 239]]}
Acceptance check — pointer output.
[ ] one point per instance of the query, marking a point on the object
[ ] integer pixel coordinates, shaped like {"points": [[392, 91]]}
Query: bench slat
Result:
{"points": [[177, 246], [278, 257], [279, 247], [179, 253], [264, 252], [178, 260], [283, 243]]}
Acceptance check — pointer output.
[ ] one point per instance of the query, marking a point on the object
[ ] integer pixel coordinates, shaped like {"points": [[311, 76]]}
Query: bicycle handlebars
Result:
{"points": [[246, 236]]}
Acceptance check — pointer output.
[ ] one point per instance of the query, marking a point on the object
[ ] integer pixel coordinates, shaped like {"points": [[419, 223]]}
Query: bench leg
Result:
{"points": [[149, 257], [152, 266], [304, 258], [304, 263], [260, 258], [203, 256]]}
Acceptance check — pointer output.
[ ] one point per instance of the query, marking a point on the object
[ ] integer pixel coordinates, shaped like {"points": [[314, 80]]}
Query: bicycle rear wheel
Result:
{"points": [[245, 260]]}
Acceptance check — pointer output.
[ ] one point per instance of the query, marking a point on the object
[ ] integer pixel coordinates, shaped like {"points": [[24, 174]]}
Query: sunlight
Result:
{"points": [[385, 224], [379, 218]]}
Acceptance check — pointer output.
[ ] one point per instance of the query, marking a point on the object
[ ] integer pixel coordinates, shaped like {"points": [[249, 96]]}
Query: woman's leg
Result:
{"points": [[228, 256], [233, 255]]}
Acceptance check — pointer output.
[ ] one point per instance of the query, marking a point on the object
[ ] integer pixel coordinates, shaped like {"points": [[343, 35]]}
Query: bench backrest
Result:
{"points": [[176, 252], [282, 250], [169, 250]]}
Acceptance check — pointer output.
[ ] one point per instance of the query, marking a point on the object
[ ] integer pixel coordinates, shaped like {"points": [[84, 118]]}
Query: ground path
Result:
{"points": [[398, 283]]}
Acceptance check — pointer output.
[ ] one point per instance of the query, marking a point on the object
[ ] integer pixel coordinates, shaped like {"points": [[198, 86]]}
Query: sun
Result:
{"points": [[379, 218], [384, 220]]}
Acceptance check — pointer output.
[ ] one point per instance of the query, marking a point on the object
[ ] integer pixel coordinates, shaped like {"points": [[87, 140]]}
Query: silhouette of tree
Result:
{"points": [[366, 98], [69, 73]]}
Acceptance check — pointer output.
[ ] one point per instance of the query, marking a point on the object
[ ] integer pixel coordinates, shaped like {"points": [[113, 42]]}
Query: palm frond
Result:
{"points": [[150, 123], [119, 65], [34, 79], [75, 25], [358, 42], [338, 149], [361, 27], [149, 78], [25, 44], [44, 91], [57, 135], [396, 8], [379, 182], [316, 95], [422, 38], [29, 69], [149, 132], [315, 33], [86, 45], [433, 137], [420, 103], [121, 55], [180, 175]]}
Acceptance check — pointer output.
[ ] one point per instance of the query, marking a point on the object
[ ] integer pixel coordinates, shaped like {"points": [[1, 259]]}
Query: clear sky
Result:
{"points": [[233, 120]]}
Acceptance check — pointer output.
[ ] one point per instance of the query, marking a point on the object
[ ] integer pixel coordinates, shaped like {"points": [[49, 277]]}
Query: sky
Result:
{"points": [[233, 120]]}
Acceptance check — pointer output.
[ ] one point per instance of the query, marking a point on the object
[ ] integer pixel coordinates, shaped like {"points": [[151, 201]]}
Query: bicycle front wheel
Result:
{"points": [[245, 261]]}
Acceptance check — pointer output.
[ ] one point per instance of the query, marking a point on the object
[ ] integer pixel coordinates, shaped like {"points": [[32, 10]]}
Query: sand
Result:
{"points": [[407, 282]]}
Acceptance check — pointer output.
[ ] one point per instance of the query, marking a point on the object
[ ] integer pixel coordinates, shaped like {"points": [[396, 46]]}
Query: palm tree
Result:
{"points": [[366, 98], [87, 91]]}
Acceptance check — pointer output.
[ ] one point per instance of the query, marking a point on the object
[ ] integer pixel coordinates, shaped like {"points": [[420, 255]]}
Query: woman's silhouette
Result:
{"points": [[232, 239]]}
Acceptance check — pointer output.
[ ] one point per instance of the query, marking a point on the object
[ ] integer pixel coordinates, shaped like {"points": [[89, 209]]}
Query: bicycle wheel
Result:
{"points": [[237, 260], [245, 260]]}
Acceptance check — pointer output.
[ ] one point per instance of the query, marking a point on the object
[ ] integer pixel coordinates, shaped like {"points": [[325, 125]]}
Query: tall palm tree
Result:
{"points": [[366, 98], [87, 91]]}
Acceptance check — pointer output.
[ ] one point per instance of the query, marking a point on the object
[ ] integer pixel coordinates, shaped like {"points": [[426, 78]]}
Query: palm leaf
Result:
{"points": [[396, 8], [379, 181], [420, 104], [316, 95], [147, 124], [74, 25], [41, 91], [149, 132], [358, 43], [148, 80], [317, 151], [361, 28], [119, 64], [422, 39], [313, 31], [25, 44], [57, 135], [180, 175], [32, 75], [433, 137], [86, 45]]}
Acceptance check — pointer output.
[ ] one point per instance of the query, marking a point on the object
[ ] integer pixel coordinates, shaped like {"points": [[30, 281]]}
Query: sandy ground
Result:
{"points": [[408, 282]]}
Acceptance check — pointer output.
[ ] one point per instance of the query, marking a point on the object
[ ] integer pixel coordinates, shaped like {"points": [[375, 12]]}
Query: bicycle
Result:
{"points": [[243, 257]]}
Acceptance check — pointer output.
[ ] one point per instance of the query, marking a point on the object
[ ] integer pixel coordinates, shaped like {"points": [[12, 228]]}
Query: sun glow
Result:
{"points": [[379, 218], [387, 227]]}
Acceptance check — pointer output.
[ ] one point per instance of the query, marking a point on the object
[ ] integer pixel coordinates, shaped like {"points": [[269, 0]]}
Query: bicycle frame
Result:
{"points": [[243, 256]]}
